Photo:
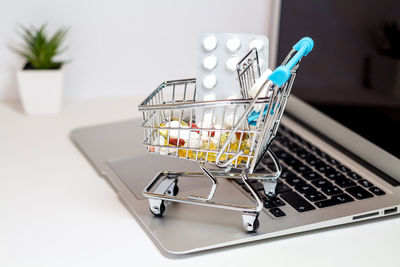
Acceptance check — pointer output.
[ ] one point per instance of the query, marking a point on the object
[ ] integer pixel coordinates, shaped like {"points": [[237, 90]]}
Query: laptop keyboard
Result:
{"points": [[311, 179]]}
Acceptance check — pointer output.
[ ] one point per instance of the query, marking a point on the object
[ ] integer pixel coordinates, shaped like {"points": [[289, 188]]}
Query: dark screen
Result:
{"points": [[353, 73]]}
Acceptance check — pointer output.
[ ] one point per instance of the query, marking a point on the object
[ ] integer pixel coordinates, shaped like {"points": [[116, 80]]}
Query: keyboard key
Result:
{"points": [[268, 204], [277, 212], [330, 175], [334, 175], [303, 155], [283, 137], [288, 143], [299, 138], [297, 202], [313, 148], [311, 176], [315, 162], [332, 190], [325, 203], [315, 196], [344, 182], [292, 162], [286, 174], [365, 183], [283, 155], [342, 198], [343, 168], [333, 161], [282, 188], [354, 176], [359, 192], [321, 183], [277, 202], [339, 176], [306, 188], [295, 181], [324, 168], [300, 151], [301, 168], [295, 148], [322, 154], [311, 159], [276, 149], [377, 191]]}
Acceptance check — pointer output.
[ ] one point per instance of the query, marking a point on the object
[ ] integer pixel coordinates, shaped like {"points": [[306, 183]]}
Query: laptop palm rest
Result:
{"points": [[137, 178], [116, 152]]}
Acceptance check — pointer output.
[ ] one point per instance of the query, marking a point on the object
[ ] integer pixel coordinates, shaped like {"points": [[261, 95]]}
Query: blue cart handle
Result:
{"points": [[282, 73]]}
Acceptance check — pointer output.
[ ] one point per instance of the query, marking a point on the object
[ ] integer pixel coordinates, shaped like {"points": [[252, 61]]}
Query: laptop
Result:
{"points": [[337, 144]]}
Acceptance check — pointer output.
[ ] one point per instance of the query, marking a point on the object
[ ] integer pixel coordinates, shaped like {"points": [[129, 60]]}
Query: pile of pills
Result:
{"points": [[217, 57], [193, 141]]}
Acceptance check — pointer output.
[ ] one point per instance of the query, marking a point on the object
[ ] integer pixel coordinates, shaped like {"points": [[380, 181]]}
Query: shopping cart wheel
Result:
{"points": [[176, 190], [270, 188], [250, 222], [157, 207], [173, 190]]}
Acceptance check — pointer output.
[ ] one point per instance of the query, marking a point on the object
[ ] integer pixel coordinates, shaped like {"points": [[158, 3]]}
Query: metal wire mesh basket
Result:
{"points": [[230, 134], [178, 126]]}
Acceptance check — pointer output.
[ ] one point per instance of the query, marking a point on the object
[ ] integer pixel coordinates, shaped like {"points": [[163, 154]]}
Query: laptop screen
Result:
{"points": [[353, 73]]}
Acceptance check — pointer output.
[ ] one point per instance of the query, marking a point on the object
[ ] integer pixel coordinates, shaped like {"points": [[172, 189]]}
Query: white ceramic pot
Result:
{"points": [[41, 90]]}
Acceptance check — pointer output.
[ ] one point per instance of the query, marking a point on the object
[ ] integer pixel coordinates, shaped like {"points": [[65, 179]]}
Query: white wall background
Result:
{"points": [[121, 47]]}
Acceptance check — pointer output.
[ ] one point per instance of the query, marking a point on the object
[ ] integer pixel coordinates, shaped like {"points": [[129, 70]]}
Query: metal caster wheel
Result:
{"points": [[270, 194], [157, 207], [176, 190], [250, 222], [269, 188], [173, 190]]}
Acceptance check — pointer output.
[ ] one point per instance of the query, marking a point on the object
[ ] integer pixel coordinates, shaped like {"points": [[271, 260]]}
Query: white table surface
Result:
{"points": [[56, 211]]}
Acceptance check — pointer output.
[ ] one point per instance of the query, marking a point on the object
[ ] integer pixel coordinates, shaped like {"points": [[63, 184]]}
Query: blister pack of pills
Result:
{"points": [[217, 57]]}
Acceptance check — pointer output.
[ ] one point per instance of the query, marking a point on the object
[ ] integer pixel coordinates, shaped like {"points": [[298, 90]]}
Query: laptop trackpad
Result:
{"points": [[137, 172]]}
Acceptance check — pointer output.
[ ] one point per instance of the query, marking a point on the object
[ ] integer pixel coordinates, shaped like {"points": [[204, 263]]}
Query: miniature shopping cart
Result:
{"points": [[228, 138]]}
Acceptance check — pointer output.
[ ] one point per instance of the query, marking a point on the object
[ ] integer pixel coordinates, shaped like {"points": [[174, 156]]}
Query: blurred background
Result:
{"points": [[119, 48], [126, 48]]}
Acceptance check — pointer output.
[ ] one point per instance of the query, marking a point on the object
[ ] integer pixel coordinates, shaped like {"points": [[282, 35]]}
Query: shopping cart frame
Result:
{"points": [[276, 90]]}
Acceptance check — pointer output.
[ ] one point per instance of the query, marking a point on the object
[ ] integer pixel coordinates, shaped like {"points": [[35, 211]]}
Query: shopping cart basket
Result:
{"points": [[227, 138]]}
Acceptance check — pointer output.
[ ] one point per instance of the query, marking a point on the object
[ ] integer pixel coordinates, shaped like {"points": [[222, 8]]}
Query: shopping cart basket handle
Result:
{"points": [[282, 73]]}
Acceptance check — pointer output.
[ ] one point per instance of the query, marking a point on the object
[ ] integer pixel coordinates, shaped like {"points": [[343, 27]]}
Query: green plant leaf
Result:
{"points": [[39, 48]]}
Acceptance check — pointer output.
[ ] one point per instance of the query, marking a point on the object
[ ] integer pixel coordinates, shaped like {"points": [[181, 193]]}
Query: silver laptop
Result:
{"points": [[337, 143]]}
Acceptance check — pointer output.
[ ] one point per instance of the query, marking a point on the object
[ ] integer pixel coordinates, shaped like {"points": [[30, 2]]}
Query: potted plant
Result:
{"points": [[40, 80]]}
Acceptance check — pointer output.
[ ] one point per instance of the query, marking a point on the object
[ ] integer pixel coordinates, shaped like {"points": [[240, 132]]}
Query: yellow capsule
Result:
{"points": [[234, 146], [209, 157], [192, 154], [224, 136], [243, 159], [163, 132]]}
